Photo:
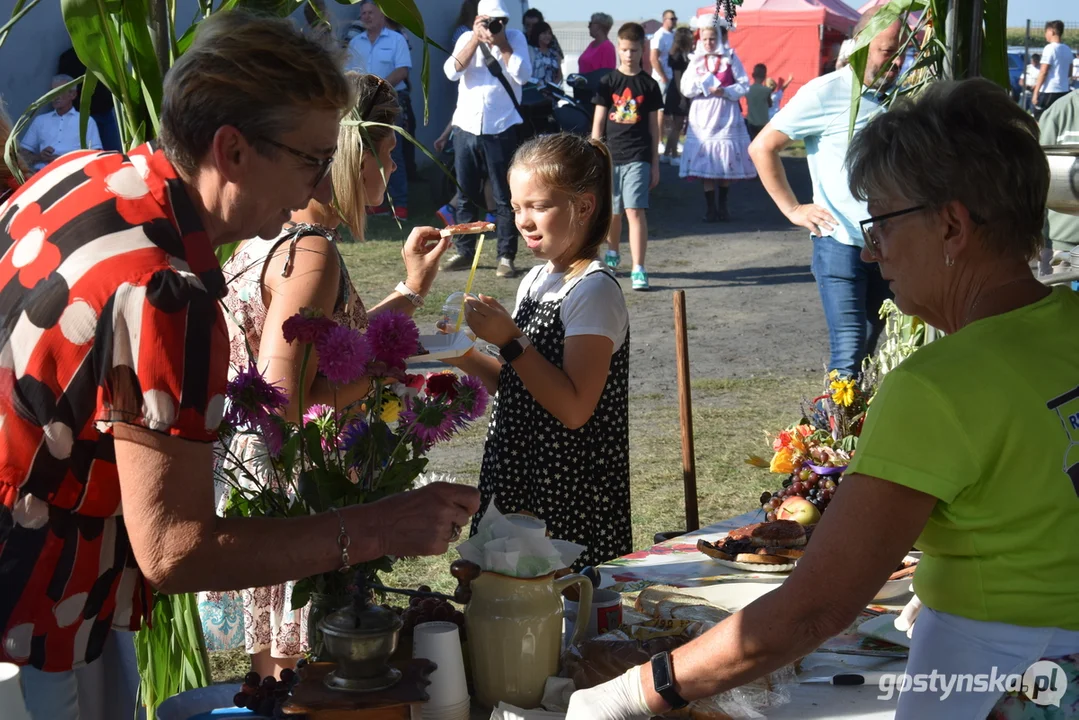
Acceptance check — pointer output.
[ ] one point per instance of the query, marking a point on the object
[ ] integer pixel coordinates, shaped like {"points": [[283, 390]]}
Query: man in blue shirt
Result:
{"points": [[384, 52], [851, 290]]}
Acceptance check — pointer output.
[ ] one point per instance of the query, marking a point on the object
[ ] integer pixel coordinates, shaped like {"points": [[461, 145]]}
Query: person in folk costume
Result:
{"points": [[716, 149]]}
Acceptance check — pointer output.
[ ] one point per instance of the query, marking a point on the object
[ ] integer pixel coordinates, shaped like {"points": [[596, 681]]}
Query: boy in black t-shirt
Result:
{"points": [[627, 103]]}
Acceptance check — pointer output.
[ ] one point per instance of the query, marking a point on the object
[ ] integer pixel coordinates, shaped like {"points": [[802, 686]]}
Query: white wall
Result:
{"points": [[28, 58]]}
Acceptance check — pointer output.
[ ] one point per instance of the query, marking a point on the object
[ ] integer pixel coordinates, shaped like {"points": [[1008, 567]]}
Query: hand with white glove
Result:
{"points": [[618, 699], [905, 621]]}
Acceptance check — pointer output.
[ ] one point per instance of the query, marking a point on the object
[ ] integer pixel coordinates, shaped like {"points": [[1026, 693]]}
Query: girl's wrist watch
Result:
{"points": [[513, 349]]}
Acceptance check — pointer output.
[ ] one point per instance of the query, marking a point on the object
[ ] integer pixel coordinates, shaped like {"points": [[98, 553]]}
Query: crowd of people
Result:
{"points": [[116, 351]]}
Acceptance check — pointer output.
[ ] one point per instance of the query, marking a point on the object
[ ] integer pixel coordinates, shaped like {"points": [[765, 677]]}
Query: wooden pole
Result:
{"points": [[685, 408]]}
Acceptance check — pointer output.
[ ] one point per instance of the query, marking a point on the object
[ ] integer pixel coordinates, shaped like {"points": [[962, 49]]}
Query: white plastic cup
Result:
{"points": [[451, 309], [12, 702], [440, 642], [527, 525]]}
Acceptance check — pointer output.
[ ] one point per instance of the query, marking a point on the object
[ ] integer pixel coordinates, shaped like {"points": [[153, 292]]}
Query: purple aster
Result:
{"points": [[252, 399], [307, 326], [472, 398], [353, 433], [429, 422], [320, 413], [343, 355], [393, 337]]}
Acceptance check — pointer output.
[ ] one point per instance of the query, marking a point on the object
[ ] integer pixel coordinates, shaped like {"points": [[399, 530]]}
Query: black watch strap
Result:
{"points": [[663, 680]]}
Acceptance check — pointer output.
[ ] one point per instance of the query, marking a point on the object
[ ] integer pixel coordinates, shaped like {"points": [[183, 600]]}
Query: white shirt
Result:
{"points": [[483, 107], [1031, 77], [60, 132], [1058, 57], [595, 306], [388, 53], [662, 41]]}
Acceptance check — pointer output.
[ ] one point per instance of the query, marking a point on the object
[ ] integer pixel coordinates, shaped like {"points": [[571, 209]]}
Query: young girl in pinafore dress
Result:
{"points": [[558, 442]]}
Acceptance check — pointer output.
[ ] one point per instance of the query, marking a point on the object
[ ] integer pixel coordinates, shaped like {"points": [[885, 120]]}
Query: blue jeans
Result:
{"points": [[476, 157], [397, 185], [851, 292]]}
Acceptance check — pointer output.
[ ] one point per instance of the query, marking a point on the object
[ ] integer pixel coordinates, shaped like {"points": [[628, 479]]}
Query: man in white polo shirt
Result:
{"points": [[1054, 80], [57, 132], [384, 52], [851, 290], [485, 125]]}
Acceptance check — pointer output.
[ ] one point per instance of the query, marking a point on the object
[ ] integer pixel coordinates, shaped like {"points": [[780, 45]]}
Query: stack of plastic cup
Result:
{"points": [[12, 705], [440, 642]]}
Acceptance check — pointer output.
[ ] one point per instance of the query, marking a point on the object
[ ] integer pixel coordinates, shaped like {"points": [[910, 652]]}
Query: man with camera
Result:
{"points": [[490, 64]]}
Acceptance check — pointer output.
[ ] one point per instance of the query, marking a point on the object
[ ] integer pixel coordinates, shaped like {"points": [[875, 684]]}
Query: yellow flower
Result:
{"points": [[783, 462], [391, 409], [843, 392], [834, 375]]}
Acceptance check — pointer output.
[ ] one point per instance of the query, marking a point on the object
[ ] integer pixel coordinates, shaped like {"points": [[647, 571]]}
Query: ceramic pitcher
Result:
{"points": [[514, 630]]}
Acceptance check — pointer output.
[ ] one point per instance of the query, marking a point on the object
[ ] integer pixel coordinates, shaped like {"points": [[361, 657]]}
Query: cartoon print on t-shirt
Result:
{"points": [[625, 110], [1067, 409]]}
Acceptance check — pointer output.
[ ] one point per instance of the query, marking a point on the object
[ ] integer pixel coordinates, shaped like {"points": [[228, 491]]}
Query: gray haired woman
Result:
{"points": [[600, 53], [970, 450]]}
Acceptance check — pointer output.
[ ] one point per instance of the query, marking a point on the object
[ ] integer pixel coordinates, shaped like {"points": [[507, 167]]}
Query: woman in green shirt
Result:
{"points": [[970, 449]]}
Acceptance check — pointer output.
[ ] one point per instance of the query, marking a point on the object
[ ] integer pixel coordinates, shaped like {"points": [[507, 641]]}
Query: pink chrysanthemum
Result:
{"points": [[393, 337], [307, 326], [429, 422], [269, 429], [252, 399], [319, 413], [472, 398], [343, 355]]}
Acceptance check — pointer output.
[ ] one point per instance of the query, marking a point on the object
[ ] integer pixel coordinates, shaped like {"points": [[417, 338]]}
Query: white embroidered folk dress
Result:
{"points": [[717, 142]]}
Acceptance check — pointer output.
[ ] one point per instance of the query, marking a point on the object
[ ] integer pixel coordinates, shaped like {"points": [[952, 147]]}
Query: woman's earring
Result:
{"points": [[948, 260]]}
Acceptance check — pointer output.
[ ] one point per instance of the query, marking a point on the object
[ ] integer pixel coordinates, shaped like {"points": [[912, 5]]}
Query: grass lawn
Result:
{"points": [[730, 419]]}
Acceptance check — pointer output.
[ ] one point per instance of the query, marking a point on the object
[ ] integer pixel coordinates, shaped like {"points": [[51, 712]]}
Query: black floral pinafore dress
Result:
{"points": [[575, 480]]}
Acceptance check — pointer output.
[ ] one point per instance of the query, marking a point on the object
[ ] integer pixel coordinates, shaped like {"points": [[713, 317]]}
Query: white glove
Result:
{"points": [[905, 621], [618, 699]]}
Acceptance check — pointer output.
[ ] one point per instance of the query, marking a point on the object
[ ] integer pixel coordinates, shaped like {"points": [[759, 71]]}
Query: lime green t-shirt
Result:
{"points": [[987, 421]]}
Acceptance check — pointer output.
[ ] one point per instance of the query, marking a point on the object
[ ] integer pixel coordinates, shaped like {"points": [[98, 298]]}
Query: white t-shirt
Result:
{"points": [[1031, 77], [1058, 57], [595, 306], [662, 41]]}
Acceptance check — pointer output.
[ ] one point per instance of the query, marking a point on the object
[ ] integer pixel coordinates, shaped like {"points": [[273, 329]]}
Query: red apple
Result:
{"points": [[799, 510]]}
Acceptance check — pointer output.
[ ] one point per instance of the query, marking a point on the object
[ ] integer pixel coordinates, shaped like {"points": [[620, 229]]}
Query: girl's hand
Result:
{"points": [[490, 321], [440, 143], [421, 253]]}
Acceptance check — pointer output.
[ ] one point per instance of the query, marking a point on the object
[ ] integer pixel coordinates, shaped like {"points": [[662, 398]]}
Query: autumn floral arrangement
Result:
{"points": [[813, 452], [340, 456]]}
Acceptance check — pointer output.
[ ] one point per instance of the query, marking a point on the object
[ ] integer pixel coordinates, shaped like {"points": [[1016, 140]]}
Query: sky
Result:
{"points": [[565, 10]]}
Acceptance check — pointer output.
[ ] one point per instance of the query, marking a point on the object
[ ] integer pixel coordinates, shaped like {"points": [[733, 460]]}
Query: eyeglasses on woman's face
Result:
{"points": [[320, 165], [872, 227]]}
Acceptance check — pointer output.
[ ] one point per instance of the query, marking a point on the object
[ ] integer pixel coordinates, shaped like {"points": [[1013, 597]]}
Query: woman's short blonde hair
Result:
{"points": [[604, 20], [257, 74], [376, 102], [959, 141], [5, 132]]}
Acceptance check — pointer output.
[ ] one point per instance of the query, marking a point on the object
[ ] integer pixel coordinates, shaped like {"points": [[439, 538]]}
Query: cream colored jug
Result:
{"points": [[514, 630]]}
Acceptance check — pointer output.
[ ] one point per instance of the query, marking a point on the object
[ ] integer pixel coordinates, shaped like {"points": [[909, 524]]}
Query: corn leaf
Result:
{"points": [[21, 8], [89, 84]]}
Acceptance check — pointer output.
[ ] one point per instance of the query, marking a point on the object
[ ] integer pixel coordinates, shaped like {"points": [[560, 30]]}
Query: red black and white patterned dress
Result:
{"points": [[109, 313]]}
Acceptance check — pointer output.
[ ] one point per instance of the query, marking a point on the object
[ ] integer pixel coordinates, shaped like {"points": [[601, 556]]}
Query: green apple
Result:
{"points": [[799, 510]]}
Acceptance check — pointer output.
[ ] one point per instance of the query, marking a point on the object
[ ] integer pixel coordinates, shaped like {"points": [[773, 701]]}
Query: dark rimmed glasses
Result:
{"points": [[868, 227], [322, 164]]}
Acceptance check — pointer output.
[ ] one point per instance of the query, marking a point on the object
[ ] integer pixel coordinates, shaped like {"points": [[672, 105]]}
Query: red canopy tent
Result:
{"points": [[791, 37]]}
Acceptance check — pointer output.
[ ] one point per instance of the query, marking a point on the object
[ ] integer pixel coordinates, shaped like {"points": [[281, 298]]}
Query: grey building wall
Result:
{"points": [[28, 57]]}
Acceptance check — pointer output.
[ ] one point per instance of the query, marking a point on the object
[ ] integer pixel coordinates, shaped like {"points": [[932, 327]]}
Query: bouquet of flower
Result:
{"points": [[339, 456]]}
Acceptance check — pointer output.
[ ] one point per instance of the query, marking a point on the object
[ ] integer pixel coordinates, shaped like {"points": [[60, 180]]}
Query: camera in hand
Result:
{"points": [[495, 25]]}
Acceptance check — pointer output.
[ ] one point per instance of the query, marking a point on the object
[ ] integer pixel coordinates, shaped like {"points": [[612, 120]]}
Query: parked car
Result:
{"points": [[1017, 63]]}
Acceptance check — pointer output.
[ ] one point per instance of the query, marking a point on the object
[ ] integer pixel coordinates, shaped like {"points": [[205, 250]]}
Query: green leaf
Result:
{"points": [[11, 147], [89, 84], [301, 593], [21, 8], [404, 133], [226, 251]]}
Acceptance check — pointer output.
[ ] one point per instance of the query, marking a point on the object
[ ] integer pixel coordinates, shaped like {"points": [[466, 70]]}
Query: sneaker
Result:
{"points": [[447, 215], [676, 161], [505, 268], [639, 279], [378, 211], [664, 160], [401, 213], [612, 259], [457, 261], [491, 218]]}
